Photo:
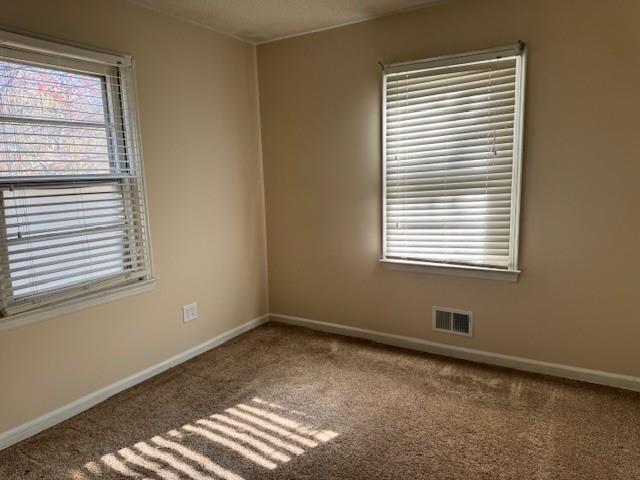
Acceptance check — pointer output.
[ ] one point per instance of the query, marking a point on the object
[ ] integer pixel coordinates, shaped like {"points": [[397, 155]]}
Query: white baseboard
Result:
{"points": [[518, 363], [28, 429], [67, 411]]}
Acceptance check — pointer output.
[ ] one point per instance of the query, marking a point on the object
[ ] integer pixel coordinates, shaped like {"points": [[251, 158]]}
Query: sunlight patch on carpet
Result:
{"points": [[263, 433]]}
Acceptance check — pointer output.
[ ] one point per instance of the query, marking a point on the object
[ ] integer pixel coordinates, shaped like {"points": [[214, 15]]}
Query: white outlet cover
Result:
{"points": [[190, 312]]}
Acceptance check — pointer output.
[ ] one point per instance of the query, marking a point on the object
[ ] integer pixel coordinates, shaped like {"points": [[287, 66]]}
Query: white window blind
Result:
{"points": [[451, 148], [72, 204]]}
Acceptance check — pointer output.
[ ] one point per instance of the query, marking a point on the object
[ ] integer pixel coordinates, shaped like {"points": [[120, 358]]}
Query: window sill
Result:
{"points": [[69, 306], [456, 270]]}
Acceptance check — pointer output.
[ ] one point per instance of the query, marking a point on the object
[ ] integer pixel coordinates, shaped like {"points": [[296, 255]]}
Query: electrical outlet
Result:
{"points": [[189, 312]]}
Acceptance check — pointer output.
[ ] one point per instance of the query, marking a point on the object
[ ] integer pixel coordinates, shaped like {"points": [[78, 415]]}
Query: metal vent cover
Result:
{"points": [[453, 320]]}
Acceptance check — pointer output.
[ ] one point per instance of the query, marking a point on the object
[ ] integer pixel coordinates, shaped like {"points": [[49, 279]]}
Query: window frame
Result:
{"points": [[81, 59], [457, 269]]}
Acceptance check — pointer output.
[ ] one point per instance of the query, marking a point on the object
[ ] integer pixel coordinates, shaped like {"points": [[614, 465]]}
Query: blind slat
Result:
{"points": [[55, 254], [499, 137], [470, 115], [475, 108], [472, 131], [439, 106], [408, 94], [84, 266], [431, 78]]}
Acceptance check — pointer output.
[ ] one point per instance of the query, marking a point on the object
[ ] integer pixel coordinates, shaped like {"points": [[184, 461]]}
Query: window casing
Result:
{"points": [[452, 154], [73, 218]]}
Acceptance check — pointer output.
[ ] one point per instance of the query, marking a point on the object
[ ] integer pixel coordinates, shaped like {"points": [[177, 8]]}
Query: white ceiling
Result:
{"points": [[259, 21]]}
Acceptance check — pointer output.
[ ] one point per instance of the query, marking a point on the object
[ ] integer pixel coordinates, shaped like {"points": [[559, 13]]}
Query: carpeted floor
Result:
{"points": [[288, 403]]}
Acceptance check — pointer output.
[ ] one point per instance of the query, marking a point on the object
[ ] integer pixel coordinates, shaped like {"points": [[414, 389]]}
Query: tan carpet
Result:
{"points": [[289, 403]]}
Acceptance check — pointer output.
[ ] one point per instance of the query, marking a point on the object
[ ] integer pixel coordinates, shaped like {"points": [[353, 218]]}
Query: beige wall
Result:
{"points": [[199, 118], [577, 301]]}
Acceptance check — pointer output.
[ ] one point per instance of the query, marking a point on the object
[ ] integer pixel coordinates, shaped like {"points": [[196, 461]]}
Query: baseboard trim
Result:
{"points": [[30, 428], [518, 363]]}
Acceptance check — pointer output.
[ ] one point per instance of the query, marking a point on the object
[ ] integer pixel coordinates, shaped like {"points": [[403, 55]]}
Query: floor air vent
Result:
{"points": [[451, 320]]}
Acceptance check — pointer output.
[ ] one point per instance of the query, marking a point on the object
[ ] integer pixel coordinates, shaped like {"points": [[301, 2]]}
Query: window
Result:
{"points": [[452, 129], [72, 204]]}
